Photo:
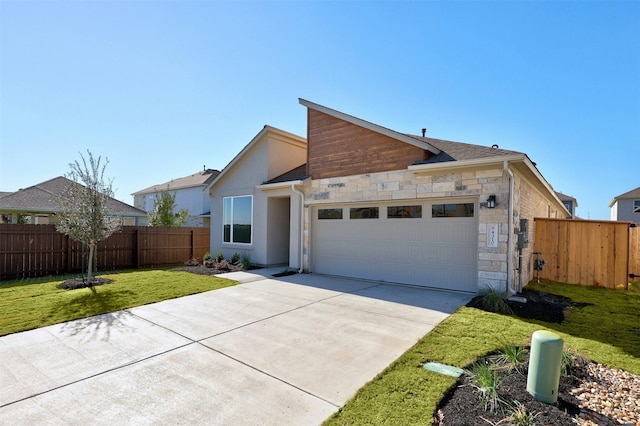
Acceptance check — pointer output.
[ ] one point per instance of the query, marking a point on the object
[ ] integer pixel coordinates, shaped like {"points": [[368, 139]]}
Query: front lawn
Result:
{"points": [[28, 304], [604, 327]]}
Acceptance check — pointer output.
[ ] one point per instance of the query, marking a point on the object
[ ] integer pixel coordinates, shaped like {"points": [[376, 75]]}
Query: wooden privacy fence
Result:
{"points": [[39, 250], [588, 252]]}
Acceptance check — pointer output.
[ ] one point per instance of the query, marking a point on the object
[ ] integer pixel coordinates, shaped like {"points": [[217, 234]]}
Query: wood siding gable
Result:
{"points": [[338, 148]]}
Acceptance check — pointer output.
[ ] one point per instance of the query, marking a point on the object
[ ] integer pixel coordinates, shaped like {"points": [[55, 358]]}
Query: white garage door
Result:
{"points": [[427, 243]]}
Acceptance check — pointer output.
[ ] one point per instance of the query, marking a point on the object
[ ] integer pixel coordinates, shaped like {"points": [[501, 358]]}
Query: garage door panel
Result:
{"points": [[434, 252]]}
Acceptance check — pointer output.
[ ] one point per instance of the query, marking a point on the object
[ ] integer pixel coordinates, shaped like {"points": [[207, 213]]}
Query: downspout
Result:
{"points": [[507, 169], [301, 242]]}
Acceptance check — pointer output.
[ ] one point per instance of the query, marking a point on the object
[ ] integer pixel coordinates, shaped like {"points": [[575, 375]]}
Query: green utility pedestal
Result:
{"points": [[545, 362]]}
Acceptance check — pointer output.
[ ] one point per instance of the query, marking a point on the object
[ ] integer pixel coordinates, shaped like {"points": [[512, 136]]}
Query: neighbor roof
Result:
{"points": [[202, 178], [634, 193], [42, 198]]}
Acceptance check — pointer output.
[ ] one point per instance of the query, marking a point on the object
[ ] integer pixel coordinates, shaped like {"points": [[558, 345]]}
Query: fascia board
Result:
{"points": [[368, 125]]}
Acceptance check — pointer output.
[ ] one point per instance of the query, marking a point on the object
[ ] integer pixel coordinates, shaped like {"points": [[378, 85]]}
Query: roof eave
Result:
{"points": [[464, 164], [370, 126], [281, 185]]}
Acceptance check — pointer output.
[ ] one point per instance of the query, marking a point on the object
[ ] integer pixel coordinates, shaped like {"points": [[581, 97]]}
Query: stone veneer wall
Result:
{"points": [[406, 185]]}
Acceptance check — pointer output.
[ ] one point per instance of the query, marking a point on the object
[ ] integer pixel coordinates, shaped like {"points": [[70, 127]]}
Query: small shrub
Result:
{"points": [[485, 380], [219, 257], [246, 260], [513, 356], [207, 256], [570, 360], [235, 259], [494, 302], [520, 416]]}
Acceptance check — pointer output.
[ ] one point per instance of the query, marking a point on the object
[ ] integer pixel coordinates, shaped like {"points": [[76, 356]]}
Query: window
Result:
{"points": [[129, 221], [363, 213], [404, 212], [329, 213], [636, 206], [452, 210], [237, 219]]}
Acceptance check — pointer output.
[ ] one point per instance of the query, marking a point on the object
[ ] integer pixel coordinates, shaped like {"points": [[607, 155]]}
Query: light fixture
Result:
{"points": [[491, 202]]}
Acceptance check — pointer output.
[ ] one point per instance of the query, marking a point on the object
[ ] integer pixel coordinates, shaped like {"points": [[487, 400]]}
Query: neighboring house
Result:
{"points": [[359, 200], [37, 205], [190, 194], [626, 206], [570, 203]]}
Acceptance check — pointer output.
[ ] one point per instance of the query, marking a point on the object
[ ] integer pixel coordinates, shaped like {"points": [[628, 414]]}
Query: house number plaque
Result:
{"points": [[492, 235]]}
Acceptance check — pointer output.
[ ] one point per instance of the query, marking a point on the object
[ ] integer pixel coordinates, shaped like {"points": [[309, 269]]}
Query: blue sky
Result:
{"points": [[163, 88]]}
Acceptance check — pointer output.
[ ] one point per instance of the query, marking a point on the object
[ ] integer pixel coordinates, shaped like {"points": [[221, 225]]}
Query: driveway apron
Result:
{"points": [[269, 351]]}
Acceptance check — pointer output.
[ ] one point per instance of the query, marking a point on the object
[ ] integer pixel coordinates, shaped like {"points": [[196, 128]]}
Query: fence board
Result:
{"points": [[634, 252], [587, 252], [39, 250]]}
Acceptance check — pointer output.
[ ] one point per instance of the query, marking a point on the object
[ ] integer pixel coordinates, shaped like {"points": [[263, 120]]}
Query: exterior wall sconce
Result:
{"points": [[491, 202]]}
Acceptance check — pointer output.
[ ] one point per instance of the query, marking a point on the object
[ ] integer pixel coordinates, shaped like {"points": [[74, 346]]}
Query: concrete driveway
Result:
{"points": [[288, 350]]}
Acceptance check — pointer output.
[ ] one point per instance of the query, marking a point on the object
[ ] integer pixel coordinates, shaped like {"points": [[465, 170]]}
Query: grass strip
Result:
{"points": [[604, 328], [29, 304]]}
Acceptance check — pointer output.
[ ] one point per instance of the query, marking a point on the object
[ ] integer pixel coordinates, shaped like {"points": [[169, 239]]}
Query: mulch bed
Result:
{"points": [[461, 406], [203, 270], [76, 283]]}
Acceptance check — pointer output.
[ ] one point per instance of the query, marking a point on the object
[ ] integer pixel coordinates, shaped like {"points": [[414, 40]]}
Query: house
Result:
{"points": [[359, 200], [189, 192], [626, 206], [37, 205], [570, 203]]}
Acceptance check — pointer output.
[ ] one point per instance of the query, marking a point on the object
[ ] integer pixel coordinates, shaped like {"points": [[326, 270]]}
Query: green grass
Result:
{"points": [[34, 303], [606, 330]]}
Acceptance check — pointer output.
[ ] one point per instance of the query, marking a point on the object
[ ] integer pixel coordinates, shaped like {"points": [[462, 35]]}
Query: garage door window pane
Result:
{"points": [[330, 214], [363, 213], [404, 212], [452, 210]]}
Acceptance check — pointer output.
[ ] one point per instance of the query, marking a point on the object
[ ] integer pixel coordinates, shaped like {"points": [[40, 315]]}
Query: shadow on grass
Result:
{"points": [[607, 316], [98, 312]]}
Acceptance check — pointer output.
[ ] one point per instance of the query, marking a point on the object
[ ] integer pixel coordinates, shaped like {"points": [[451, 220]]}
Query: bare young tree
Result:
{"points": [[83, 212]]}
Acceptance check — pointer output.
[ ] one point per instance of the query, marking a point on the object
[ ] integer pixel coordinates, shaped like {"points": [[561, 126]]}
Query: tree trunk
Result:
{"points": [[90, 265]]}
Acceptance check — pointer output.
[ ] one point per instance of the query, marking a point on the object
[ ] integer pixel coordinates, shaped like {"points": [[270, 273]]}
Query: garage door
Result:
{"points": [[431, 244]]}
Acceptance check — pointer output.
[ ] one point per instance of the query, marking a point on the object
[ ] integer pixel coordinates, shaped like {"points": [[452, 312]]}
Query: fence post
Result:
{"points": [[68, 262], [137, 247], [192, 246]]}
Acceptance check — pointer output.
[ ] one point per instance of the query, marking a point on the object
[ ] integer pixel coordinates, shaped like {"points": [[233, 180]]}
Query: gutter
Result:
{"points": [[301, 242], [460, 164]]}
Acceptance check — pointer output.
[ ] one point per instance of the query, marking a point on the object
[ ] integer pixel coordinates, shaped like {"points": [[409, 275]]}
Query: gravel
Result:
{"points": [[608, 397]]}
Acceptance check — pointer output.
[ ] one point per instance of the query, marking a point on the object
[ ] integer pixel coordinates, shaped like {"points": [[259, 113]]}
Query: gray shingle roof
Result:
{"points": [[634, 193], [42, 197], [458, 151], [299, 173], [202, 178]]}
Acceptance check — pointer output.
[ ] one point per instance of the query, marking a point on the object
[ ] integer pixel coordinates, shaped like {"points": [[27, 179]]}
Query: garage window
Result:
{"points": [[404, 212], [364, 213], [329, 213], [452, 210], [237, 219]]}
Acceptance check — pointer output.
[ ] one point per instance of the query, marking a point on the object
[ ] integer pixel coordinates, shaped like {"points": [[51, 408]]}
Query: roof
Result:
{"points": [[633, 194], [202, 178], [42, 198], [299, 173], [460, 151], [564, 198]]}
